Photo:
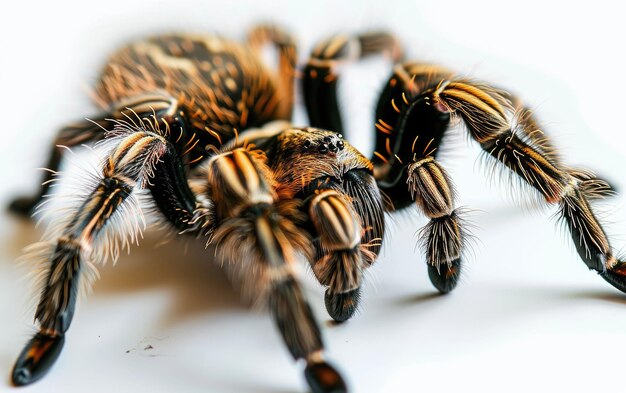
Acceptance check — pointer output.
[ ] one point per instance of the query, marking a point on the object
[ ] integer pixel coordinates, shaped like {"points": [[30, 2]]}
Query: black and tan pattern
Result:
{"points": [[443, 237], [416, 107], [288, 56], [83, 242], [262, 234], [512, 136], [339, 261], [220, 85], [320, 77], [202, 122]]}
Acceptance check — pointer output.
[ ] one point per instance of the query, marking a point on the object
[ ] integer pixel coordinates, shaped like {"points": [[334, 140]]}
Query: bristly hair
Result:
{"points": [[525, 127], [70, 204], [236, 244], [447, 238], [482, 108], [592, 186]]}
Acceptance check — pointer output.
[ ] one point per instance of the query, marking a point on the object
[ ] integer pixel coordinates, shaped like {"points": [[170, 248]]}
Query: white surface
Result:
{"points": [[527, 316]]}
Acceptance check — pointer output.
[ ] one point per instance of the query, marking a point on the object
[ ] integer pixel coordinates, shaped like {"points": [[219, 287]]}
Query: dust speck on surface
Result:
{"points": [[145, 345]]}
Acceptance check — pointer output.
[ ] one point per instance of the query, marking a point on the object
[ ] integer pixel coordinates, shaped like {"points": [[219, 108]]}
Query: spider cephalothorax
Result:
{"points": [[202, 123]]}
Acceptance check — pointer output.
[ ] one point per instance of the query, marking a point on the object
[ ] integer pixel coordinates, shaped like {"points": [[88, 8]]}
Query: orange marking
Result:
{"points": [[191, 147], [377, 154], [385, 124], [428, 145], [383, 129], [413, 145], [478, 94], [215, 134], [36, 353], [393, 104], [412, 83]]}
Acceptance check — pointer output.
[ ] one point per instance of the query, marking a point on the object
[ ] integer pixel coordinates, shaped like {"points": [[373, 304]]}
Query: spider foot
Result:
{"points": [[616, 276], [446, 277], [23, 206], [323, 378], [341, 306], [37, 358]]}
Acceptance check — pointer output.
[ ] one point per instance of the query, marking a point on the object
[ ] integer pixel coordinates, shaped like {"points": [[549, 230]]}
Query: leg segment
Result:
{"points": [[339, 263], [410, 132], [443, 237], [89, 131], [71, 135], [504, 136], [597, 188], [260, 235], [347, 223], [288, 57], [320, 77], [84, 241]]}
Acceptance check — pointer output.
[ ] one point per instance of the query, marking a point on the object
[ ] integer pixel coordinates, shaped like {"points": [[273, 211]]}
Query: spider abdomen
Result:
{"points": [[220, 86]]}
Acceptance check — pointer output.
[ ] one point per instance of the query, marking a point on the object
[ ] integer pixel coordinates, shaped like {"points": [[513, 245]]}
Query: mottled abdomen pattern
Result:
{"points": [[220, 85]]}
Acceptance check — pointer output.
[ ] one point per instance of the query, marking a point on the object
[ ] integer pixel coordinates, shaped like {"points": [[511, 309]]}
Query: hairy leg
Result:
{"points": [[89, 131], [85, 239], [503, 135], [260, 235], [320, 76]]}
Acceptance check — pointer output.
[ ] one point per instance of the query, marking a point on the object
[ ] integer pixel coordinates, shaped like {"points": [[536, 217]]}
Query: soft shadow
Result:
{"points": [[182, 267], [419, 298], [612, 297], [22, 233]]}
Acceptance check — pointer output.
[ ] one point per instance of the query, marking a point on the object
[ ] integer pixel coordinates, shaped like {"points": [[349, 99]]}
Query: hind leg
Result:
{"points": [[71, 135], [504, 136], [90, 131]]}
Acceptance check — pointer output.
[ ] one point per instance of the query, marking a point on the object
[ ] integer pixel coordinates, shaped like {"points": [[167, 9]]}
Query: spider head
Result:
{"points": [[324, 142]]}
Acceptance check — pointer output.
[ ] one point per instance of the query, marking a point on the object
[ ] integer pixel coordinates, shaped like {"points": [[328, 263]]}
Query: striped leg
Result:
{"points": [[339, 263], [597, 187], [259, 234], [85, 239], [70, 135], [89, 131], [319, 78], [287, 52], [410, 131], [346, 220], [443, 236], [504, 136]]}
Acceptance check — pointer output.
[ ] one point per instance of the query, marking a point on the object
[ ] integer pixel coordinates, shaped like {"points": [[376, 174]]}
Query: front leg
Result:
{"points": [[503, 137], [261, 236], [87, 238], [346, 219], [444, 235], [338, 263]]}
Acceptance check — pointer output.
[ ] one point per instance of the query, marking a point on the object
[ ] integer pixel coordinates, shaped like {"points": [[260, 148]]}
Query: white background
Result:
{"points": [[527, 316]]}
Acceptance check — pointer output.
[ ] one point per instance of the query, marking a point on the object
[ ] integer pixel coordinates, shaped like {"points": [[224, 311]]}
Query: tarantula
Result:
{"points": [[202, 123]]}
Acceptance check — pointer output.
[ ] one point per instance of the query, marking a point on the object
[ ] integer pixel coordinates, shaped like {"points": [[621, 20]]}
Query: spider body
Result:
{"points": [[220, 85], [202, 123]]}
